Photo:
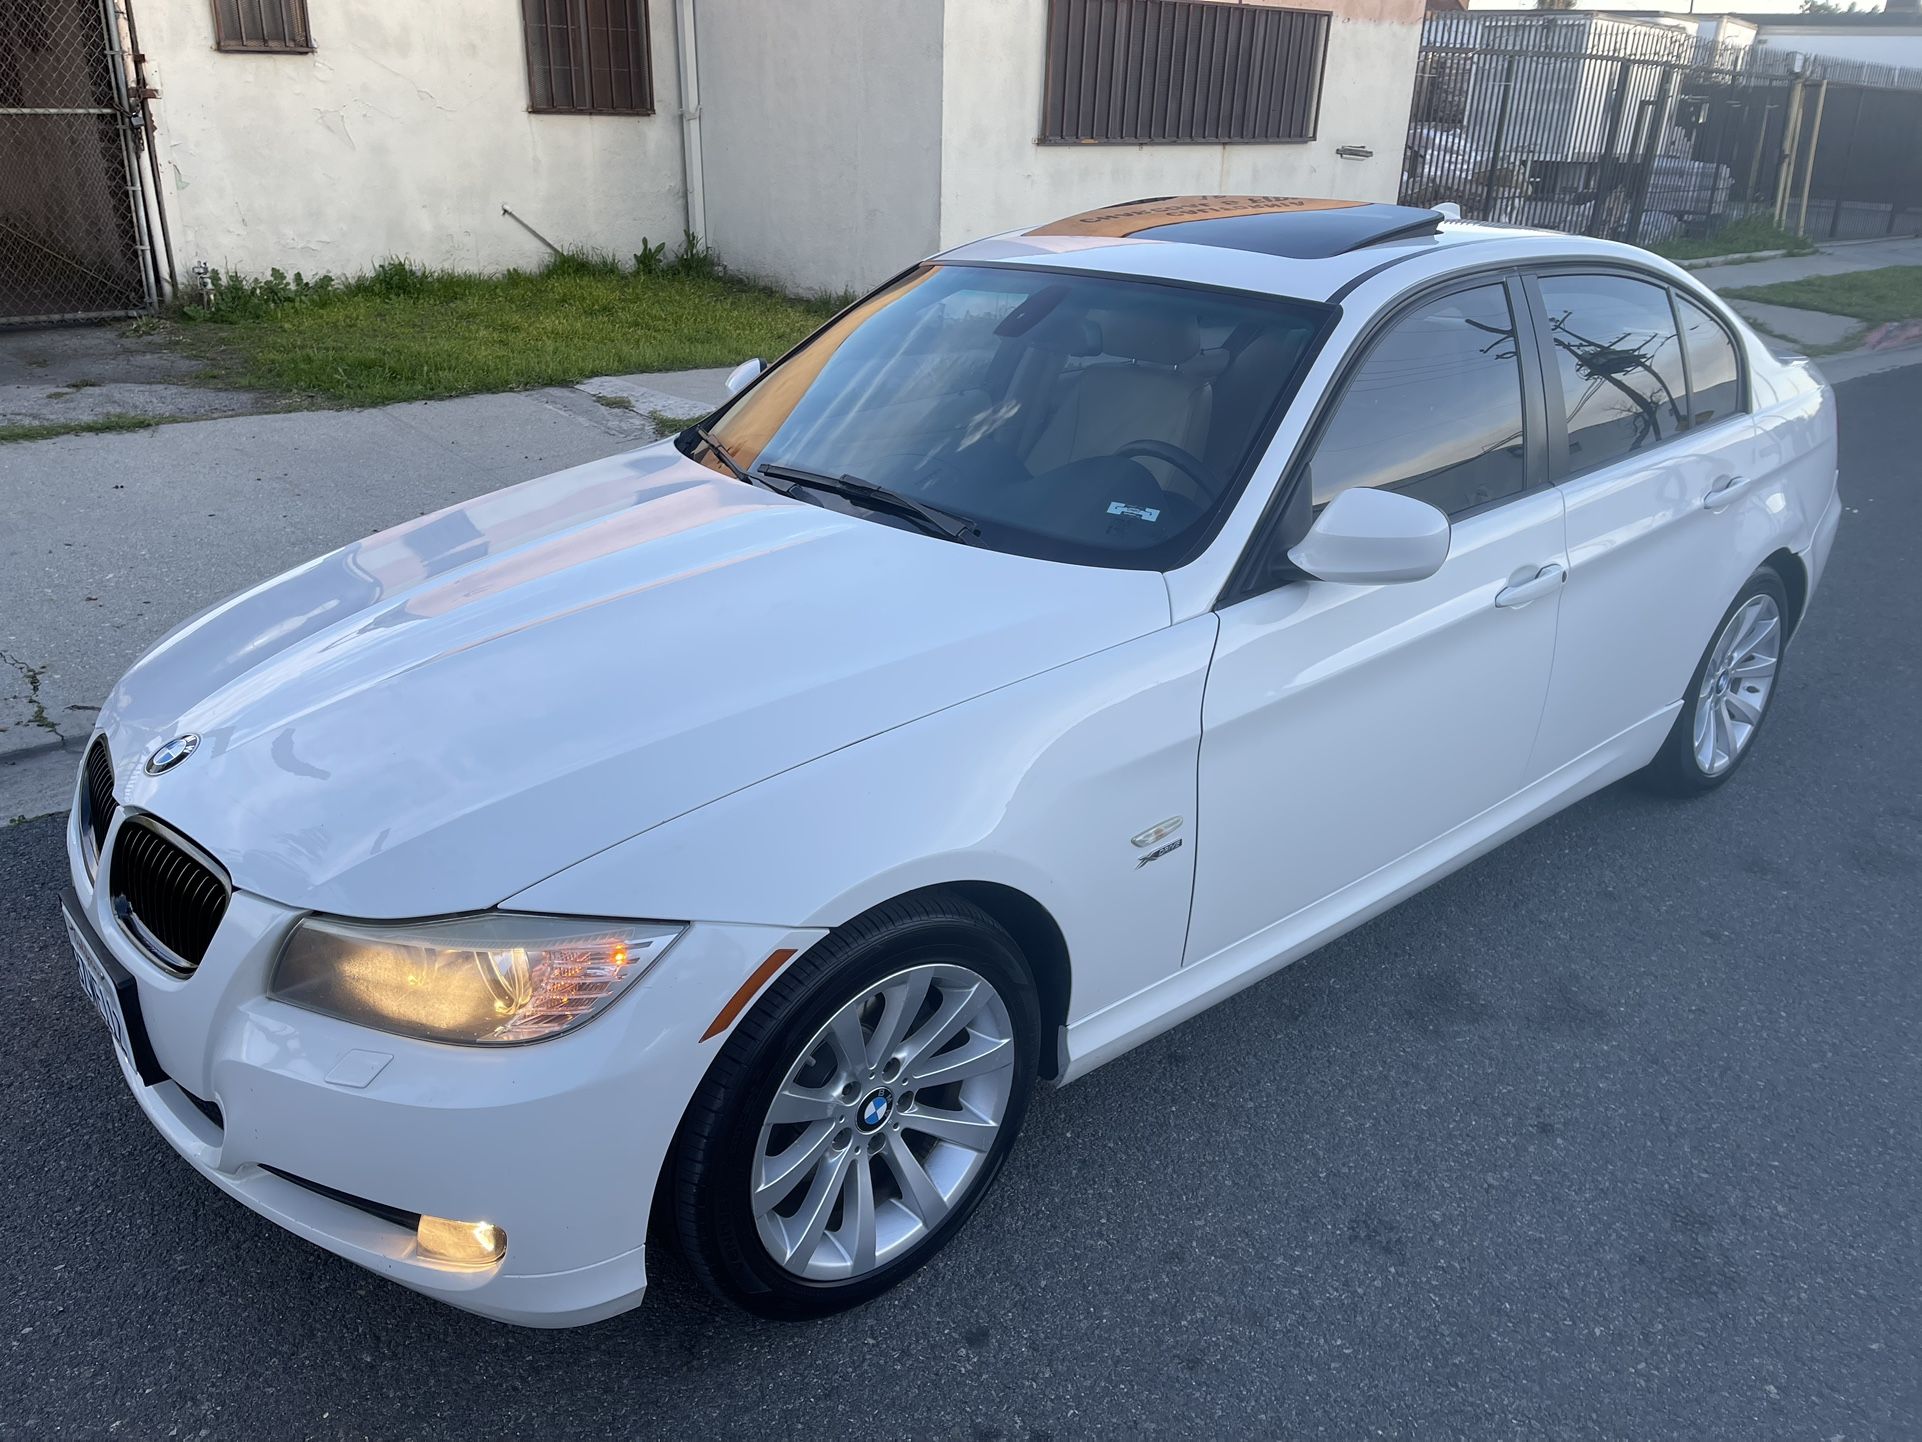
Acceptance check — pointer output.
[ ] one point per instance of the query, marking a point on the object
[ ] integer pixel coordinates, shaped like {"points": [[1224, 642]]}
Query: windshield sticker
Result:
{"points": [[1140, 513]]}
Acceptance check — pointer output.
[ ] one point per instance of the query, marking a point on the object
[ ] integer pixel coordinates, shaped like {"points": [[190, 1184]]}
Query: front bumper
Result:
{"points": [[559, 1142]]}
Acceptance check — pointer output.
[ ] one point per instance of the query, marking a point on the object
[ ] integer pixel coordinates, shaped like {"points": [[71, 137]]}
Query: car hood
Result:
{"points": [[437, 717]]}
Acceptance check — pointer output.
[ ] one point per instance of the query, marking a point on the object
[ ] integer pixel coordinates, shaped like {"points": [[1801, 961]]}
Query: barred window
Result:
{"points": [[1139, 72], [263, 27], [589, 57]]}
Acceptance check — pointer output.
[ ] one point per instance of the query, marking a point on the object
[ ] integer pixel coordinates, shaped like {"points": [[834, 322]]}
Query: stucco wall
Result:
{"points": [[821, 127], [994, 177], [403, 134]]}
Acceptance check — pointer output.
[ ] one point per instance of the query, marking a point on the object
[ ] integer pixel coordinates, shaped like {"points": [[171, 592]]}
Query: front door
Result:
{"points": [[1344, 726]]}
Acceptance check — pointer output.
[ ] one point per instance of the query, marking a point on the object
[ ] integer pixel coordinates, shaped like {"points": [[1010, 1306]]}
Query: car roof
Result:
{"points": [[1311, 249]]}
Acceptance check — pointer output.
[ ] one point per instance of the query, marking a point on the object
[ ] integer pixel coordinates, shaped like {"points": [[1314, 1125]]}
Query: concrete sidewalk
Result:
{"points": [[107, 541], [1836, 259], [1850, 347]]}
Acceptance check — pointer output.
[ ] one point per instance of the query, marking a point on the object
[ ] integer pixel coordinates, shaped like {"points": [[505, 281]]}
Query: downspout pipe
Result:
{"points": [[686, 51], [144, 94]]}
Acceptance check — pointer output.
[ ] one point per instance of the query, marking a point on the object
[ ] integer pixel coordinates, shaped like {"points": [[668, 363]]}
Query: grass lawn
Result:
{"points": [[1893, 292], [1738, 238], [401, 334], [40, 431]]}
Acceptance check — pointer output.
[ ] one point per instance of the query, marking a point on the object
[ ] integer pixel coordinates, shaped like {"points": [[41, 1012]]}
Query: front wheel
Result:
{"points": [[856, 1118], [1728, 696]]}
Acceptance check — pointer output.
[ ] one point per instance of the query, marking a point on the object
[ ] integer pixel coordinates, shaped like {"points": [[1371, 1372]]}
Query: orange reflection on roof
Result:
{"points": [[1120, 221]]}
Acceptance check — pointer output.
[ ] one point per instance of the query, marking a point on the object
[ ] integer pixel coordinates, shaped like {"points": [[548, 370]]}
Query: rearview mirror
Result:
{"points": [[1367, 537], [747, 370]]}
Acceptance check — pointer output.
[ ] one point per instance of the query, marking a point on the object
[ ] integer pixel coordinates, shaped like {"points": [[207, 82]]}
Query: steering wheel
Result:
{"points": [[1189, 464]]}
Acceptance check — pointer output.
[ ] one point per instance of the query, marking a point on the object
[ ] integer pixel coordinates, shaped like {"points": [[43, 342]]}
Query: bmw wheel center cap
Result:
{"points": [[876, 1110]]}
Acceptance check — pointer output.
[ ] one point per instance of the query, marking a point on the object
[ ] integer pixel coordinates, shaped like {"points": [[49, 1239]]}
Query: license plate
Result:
{"points": [[99, 988]]}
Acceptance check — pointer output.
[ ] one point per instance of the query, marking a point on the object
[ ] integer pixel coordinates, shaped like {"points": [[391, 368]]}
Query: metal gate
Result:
{"points": [[73, 216], [1637, 131]]}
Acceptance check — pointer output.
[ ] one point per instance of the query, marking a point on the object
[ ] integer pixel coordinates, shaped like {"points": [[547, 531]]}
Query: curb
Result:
{"points": [[36, 749], [1848, 365], [1709, 262]]}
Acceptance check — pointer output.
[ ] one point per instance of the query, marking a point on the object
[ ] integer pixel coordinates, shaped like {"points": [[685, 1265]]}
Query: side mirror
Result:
{"points": [[742, 374], [1367, 537]]}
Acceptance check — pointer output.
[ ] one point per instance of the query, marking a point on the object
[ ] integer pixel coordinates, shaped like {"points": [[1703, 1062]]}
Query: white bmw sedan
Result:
{"points": [[724, 839]]}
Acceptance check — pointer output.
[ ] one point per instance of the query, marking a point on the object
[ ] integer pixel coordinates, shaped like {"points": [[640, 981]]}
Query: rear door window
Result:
{"points": [[1618, 364]]}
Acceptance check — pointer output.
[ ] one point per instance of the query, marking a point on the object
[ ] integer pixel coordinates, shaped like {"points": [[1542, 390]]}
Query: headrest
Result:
{"points": [[1158, 334], [1064, 335], [1205, 365]]}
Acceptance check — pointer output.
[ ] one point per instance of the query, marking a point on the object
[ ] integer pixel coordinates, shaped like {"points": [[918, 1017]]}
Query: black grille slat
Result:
{"points": [[209, 902], [168, 879], [177, 899], [100, 802]]}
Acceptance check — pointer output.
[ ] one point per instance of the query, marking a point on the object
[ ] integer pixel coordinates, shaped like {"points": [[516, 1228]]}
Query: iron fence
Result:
{"points": [[73, 238], [1634, 131]]}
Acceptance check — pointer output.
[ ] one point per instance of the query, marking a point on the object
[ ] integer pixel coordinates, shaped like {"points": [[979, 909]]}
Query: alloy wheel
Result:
{"points": [[883, 1122], [1737, 683]]}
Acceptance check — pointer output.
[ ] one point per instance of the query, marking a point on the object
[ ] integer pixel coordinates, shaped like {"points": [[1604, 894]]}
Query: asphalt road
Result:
{"points": [[1616, 1133]]}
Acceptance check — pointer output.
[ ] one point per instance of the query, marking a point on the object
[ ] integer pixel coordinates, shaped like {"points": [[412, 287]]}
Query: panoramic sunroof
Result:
{"points": [[1292, 226]]}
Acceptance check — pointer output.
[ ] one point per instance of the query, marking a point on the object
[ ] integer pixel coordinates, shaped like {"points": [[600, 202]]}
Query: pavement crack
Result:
{"points": [[36, 705]]}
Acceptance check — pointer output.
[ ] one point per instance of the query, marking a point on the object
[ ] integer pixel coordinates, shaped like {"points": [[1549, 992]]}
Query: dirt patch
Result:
{"points": [[81, 376]]}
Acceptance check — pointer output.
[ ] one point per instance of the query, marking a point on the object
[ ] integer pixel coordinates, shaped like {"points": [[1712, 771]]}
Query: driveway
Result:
{"points": [[1612, 1134]]}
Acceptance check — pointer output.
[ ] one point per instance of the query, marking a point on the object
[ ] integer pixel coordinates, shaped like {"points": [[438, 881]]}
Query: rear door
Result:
{"points": [[1656, 486], [1346, 726]]}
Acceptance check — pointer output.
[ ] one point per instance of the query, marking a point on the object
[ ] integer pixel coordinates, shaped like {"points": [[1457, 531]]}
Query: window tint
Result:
{"points": [[1435, 410], [1619, 363], [1714, 373]]}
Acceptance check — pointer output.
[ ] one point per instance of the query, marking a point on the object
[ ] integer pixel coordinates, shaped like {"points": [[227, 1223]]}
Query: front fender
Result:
{"points": [[1039, 786]]}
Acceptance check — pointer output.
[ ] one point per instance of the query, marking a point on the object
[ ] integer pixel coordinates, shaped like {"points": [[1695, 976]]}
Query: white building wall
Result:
{"points": [[821, 128], [403, 134], [995, 177]]}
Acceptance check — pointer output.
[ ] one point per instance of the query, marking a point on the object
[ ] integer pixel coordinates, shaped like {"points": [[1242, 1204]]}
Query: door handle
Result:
{"points": [[1541, 584], [1725, 491]]}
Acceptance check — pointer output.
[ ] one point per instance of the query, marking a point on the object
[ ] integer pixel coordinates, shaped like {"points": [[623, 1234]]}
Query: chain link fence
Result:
{"points": [[72, 241]]}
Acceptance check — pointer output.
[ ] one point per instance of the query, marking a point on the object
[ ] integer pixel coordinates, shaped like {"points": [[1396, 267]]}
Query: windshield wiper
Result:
{"points": [[951, 525], [719, 452]]}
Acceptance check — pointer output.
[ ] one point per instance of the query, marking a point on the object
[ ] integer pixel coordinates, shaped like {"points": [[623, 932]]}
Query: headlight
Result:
{"points": [[491, 978]]}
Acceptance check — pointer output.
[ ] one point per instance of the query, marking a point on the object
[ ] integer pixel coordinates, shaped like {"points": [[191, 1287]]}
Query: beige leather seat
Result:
{"points": [[1151, 381]]}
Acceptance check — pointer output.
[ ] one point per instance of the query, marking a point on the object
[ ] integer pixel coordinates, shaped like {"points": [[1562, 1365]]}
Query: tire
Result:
{"points": [[1713, 735], [750, 1188]]}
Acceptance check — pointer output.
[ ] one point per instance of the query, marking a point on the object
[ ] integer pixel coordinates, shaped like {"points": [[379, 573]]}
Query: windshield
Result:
{"points": [[1075, 418]]}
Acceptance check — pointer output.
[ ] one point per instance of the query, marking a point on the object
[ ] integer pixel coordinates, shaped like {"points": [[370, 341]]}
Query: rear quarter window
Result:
{"points": [[1714, 368]]}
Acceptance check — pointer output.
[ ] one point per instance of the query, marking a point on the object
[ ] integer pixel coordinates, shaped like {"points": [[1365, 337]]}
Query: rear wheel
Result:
{"points": [[856, 1118], [1728, 696]]}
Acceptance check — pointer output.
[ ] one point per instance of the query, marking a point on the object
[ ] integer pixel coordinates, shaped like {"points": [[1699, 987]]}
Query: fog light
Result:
{"points": [[461, 1244]]}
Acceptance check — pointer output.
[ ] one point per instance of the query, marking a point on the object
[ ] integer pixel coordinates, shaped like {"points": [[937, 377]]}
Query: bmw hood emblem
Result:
{"points": [[171, 753]]}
